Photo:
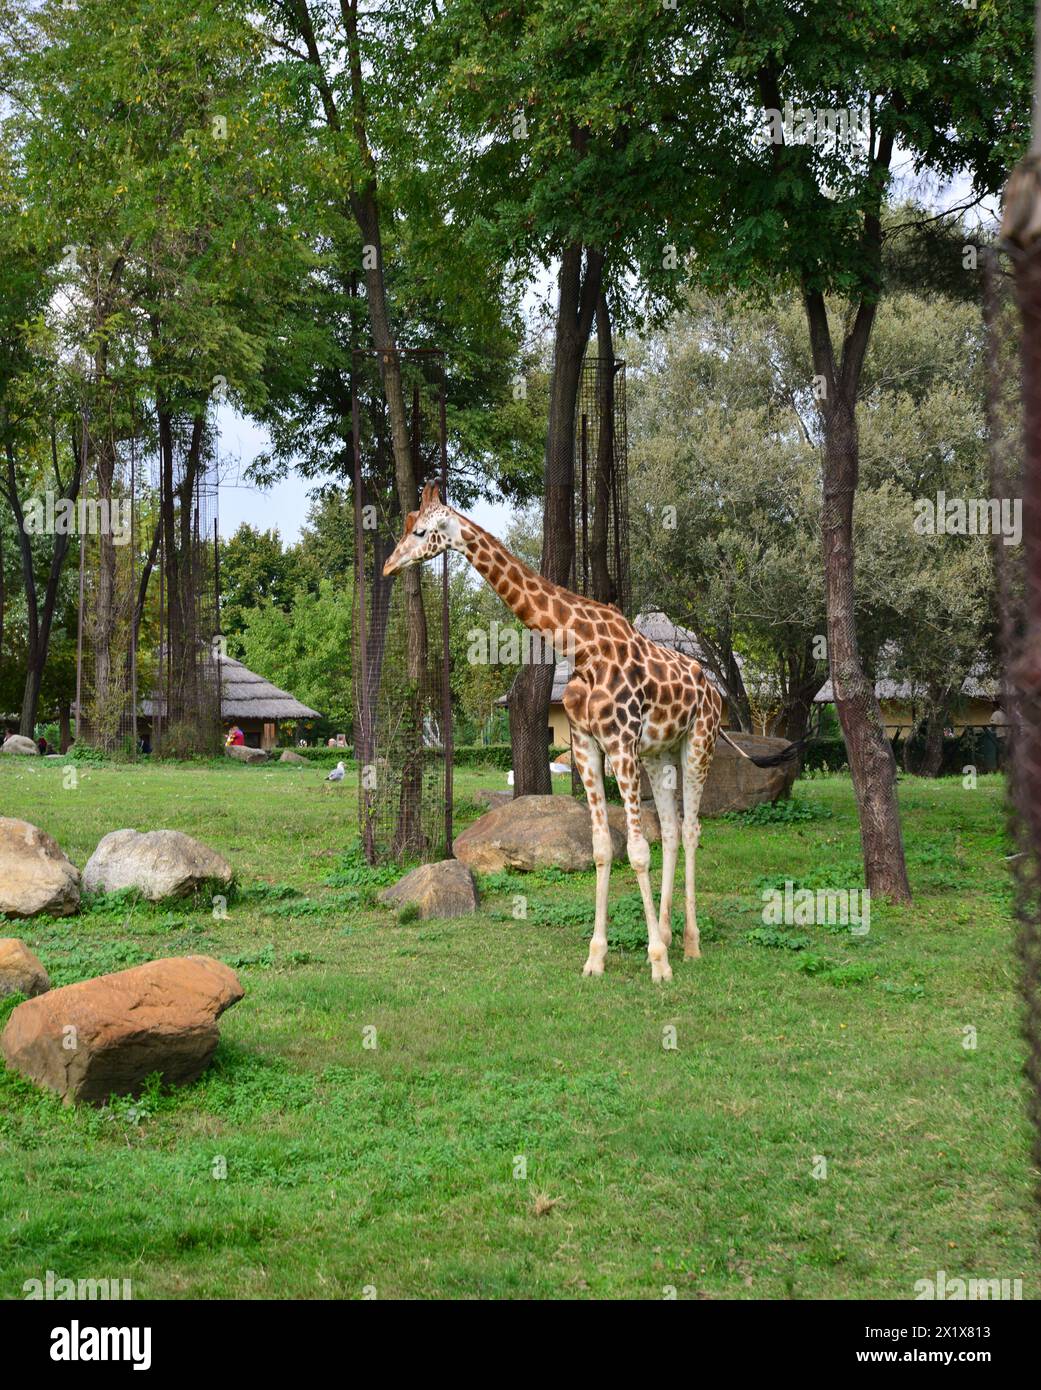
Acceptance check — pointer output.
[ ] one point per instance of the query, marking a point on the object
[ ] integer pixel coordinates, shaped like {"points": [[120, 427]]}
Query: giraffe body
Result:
{"points": [[628, 698]]}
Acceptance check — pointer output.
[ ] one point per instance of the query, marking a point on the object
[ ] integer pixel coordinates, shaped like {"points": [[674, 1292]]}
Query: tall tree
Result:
{"points": [[813, 108], [580, 133]]}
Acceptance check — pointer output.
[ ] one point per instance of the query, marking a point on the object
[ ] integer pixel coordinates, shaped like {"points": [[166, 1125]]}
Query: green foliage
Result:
{"points": [[788, 811], [306, 650], [262, 958], [485, 1032], [776, 939]]}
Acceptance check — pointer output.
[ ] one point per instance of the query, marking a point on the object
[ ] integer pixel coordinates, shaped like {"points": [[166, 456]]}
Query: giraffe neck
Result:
{"points": [[539, 604]]}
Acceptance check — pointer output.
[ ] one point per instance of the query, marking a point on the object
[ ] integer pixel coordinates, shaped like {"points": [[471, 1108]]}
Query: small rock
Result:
{"points": [[532, 832], [485, 796], [19, 744], [446, 889], [20, 971], [103, 1037], [242, 753], [35, 876], [290, 757], [159, 863]]}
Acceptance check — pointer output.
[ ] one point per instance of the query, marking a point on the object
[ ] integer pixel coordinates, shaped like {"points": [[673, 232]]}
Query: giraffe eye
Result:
{"points": [[419, 534]]}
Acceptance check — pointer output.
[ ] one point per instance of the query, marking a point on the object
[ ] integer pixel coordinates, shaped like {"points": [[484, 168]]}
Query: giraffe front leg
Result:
{"points": [[627, 770], [662, 774], [590, 763]]}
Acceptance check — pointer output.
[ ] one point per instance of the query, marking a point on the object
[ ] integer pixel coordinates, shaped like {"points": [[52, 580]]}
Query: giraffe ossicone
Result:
{"points": [[628, 698]]}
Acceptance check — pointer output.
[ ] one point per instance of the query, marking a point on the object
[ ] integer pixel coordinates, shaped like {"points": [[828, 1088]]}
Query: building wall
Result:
{"points": [[899, 715]]}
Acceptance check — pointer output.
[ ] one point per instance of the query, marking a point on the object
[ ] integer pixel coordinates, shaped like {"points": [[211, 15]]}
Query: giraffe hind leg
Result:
{"points": [[662, 773], [626, 768]]}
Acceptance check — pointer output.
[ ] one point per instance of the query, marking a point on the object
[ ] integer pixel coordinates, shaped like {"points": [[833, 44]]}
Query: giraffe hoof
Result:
{"points": [[692, 953], [593, 967], [661, 973]]}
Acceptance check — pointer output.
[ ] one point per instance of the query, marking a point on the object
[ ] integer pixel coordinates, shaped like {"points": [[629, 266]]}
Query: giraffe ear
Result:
{"points": [[410, 521], [424, 501], [435, 493]]}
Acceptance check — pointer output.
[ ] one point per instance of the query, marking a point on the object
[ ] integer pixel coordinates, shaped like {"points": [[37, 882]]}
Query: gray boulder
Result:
{"points": [[241, 753], [532, 832], [158, 863], [35, 876], [445, 889], [19, 744], [290, 757]]}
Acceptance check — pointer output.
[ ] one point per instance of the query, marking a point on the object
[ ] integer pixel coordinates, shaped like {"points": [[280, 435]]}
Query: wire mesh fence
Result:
{"points": [[106, 674], [601, 565], [186, 689], [1012, 306], [402, 694]]}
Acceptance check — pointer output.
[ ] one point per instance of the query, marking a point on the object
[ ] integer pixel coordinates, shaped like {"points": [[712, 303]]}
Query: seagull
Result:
{"points": [[337, 774]]}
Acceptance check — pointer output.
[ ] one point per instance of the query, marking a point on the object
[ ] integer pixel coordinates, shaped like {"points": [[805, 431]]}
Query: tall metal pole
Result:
{"points": [[361, 656], [447, 738], [84, 451]]}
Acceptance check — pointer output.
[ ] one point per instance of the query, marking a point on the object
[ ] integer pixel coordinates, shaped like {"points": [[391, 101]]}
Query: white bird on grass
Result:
{"points": [[337, 774]]}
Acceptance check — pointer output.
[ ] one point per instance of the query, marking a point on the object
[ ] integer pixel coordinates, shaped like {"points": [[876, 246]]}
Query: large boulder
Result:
{"points": [[532, 832], [648, 815], [244, 754], [158, 863], [289, 756], [20, 971], [35, 876], [735, 784], [446, 889], [18, 743], [103, 1037]]}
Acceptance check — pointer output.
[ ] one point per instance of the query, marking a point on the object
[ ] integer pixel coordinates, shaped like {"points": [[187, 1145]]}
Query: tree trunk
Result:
{"points": [[40, 617], [64, 725], [529, 697], [871, 762], [599, 564]]}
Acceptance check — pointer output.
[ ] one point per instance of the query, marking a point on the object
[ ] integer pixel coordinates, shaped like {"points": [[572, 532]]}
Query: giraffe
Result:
{"points": [[628, 698]]}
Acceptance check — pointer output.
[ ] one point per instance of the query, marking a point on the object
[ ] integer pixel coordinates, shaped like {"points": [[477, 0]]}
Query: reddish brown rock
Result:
{"points": [[103, 1037], [20, 971]]}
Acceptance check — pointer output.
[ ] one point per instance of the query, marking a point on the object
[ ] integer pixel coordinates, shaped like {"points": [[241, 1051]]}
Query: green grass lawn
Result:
{"points": [[396, 1167]]}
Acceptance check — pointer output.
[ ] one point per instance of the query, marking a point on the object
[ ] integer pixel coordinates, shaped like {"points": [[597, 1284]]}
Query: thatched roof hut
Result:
{"points": [[245, 695], [251, 702]]}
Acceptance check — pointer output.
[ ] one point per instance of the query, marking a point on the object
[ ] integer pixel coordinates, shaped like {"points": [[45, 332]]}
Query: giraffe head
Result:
{"points": [[428, 531]]}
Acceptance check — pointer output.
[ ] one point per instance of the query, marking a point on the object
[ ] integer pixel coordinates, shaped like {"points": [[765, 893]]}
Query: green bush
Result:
{"points": [[498, 755]]}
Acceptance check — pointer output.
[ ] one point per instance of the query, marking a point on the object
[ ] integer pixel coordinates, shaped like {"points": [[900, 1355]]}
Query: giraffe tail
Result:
{"points": [[786, 755]]}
